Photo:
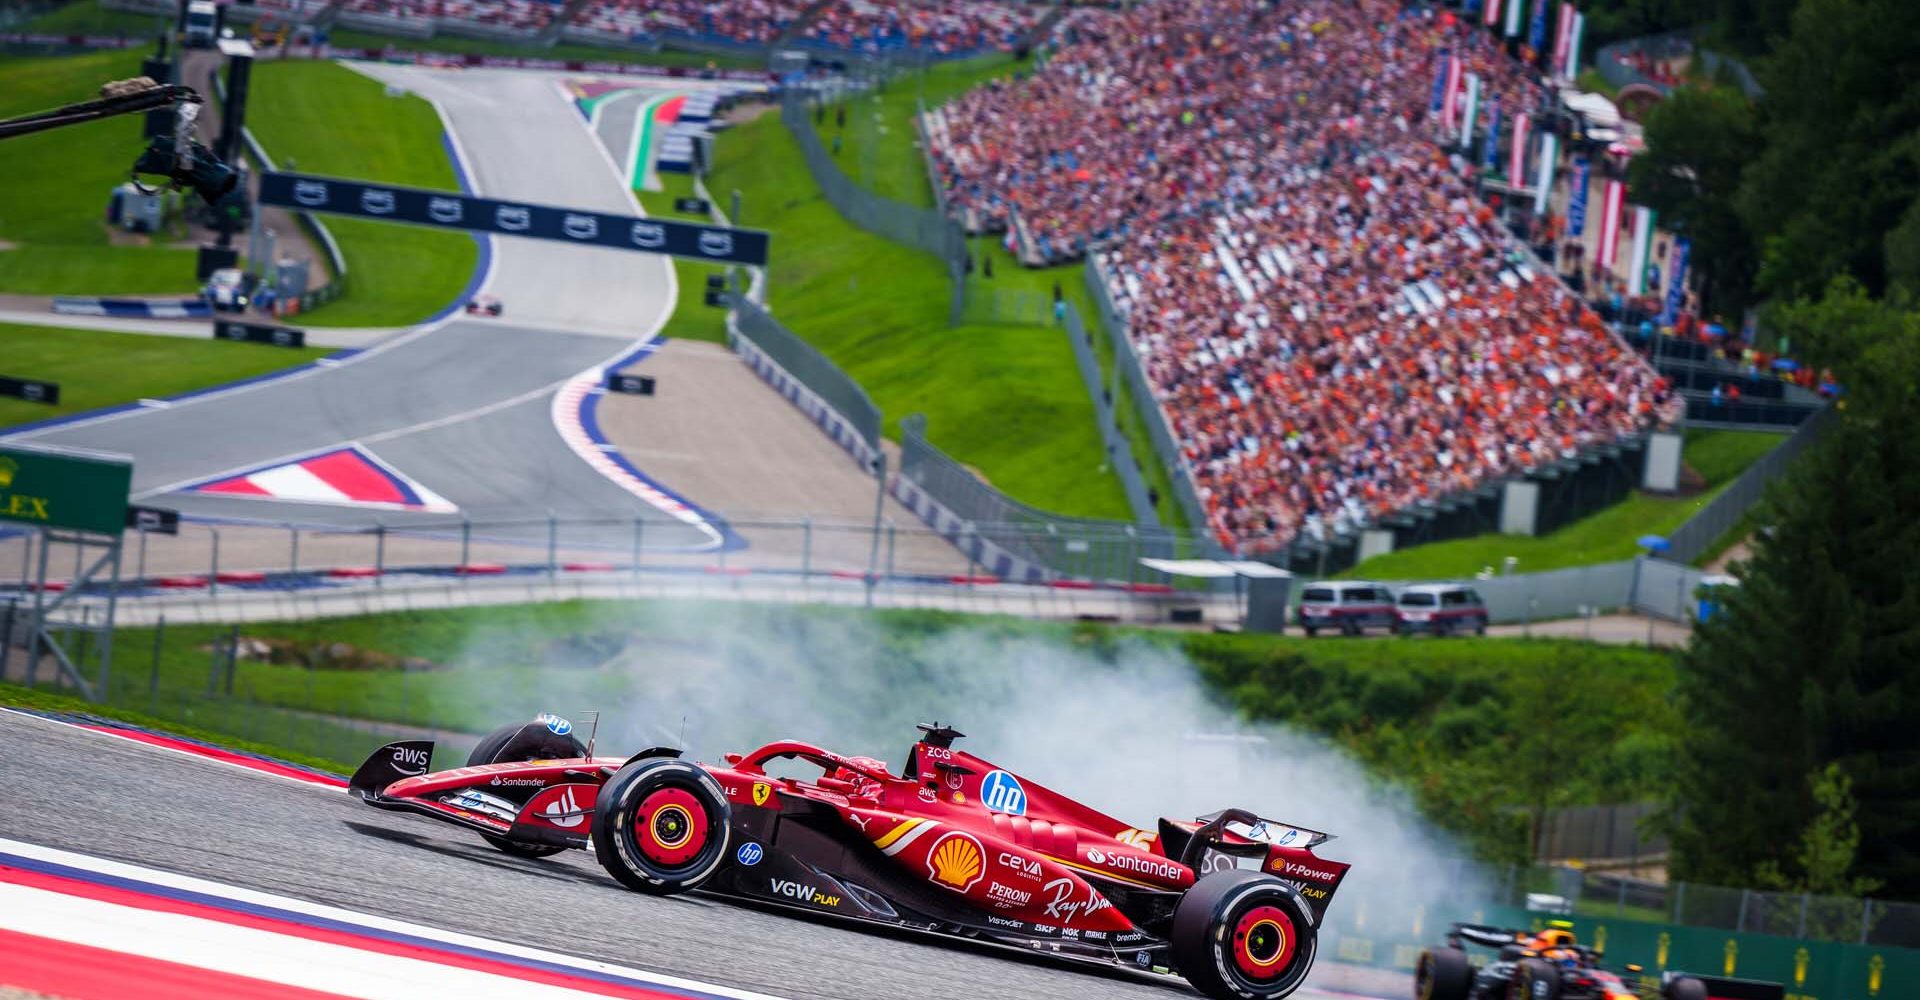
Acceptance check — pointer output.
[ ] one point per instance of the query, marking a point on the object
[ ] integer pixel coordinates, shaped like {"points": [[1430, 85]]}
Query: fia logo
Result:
{"points": [[749, 854], [1002, 792]]}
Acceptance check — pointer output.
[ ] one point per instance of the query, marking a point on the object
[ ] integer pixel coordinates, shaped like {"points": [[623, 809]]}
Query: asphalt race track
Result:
{"points": [[467, 406], [81, 791]]}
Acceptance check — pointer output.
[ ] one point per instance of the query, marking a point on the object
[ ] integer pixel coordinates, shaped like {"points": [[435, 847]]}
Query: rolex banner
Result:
{"points": [[53, 488]]}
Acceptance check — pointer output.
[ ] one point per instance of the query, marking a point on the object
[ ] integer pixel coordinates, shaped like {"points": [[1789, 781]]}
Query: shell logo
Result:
{"points": [[956, 861]]}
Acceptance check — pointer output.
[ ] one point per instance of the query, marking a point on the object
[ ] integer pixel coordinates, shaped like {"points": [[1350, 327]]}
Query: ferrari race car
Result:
{"points": [[484, 305], [1552, 965], [952, 844]]}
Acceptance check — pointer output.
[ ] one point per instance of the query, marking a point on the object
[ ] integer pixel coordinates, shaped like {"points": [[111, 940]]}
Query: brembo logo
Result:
{"points": [[1304, 872], [410, 760]]}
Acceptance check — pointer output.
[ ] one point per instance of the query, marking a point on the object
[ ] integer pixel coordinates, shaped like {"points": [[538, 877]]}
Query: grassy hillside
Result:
{"points": [[326, 119], [107, 369], [1004, 398], [54, 238], [692, 318], [1474, 730]]}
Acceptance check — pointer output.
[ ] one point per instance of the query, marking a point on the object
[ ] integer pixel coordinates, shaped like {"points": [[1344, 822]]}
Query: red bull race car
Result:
{"points": [[1549, 964], [952, 844]]}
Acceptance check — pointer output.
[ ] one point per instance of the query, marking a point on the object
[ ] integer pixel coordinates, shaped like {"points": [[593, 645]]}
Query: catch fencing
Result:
{"points": [[1726, 511], [908, 225], [1128, 364], [1010, 538], [816, 385]]}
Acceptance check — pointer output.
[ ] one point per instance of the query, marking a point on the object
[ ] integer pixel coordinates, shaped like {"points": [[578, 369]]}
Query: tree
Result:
{"points": [[1823, 862], [1698, 143], [1840, 163], [1811, 664]]}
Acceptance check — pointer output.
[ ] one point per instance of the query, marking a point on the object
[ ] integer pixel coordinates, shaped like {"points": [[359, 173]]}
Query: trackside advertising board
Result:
{"points": [[1809, 969], [60, 489], [451, 210]]}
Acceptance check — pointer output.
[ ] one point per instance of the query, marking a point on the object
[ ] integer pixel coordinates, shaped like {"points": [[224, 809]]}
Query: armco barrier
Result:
{"points": [[798, 371], [1158, 432], [1014, 540]]}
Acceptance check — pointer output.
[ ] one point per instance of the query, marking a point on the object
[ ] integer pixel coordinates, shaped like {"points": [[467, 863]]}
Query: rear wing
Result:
{"points": [[390, 763], [1243, 840]]}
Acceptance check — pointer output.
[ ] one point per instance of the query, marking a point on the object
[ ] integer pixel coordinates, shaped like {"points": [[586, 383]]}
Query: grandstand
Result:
{"points": [[1335, 327]]}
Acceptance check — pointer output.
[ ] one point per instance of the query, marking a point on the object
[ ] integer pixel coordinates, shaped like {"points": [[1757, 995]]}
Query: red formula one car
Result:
{"points": [[953, 845]]}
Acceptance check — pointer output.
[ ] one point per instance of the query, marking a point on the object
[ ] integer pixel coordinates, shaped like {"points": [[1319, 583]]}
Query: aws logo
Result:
{"points": [[956, 861]]}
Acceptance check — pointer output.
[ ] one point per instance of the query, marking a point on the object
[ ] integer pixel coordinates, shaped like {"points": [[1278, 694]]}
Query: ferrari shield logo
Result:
{"points": [[761, 792]]}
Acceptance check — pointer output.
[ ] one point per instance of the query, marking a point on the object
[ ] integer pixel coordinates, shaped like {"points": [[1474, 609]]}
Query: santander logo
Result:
{"points": [[564, 812]]}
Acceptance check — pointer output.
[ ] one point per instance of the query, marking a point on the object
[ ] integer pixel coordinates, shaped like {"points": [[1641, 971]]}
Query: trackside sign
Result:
{"points": [[58, 489], [452, 210]]}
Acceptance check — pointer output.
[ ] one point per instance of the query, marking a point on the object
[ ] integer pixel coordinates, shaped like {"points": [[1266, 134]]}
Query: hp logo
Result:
{"points": [[1001, 792], [749, 854]]}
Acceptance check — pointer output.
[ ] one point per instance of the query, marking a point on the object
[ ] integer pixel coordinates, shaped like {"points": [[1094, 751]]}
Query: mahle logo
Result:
{"points": [[7, 468]]}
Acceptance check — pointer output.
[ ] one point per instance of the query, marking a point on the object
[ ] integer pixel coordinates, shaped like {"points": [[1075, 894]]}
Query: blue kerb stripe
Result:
{"points": [[589, 416], [339, 926]]}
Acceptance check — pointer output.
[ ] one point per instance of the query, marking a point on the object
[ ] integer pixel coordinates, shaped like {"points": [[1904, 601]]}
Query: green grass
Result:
{"points": [[1003, 398], [350, 39], [1607, 535], [692, 318], [1454, 724], [15, 696], [53, 206], [880, 144], [85, 17], [107, 369], [322, 118]]}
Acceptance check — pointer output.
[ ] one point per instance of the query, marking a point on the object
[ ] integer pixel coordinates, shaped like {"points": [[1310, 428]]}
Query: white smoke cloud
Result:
{"points": [[1130, 729]]}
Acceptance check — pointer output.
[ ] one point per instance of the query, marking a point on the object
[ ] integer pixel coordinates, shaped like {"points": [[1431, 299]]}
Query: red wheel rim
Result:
{"points": [[1263, 942], [670, 827]]}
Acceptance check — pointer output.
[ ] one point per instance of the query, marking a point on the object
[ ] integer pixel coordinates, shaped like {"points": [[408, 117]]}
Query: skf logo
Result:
{"points": [[7, 468], [956, 861], [761, 793]]}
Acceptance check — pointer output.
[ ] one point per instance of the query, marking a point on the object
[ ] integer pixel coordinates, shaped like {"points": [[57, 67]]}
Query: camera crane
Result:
{"points": [[179, 158]]}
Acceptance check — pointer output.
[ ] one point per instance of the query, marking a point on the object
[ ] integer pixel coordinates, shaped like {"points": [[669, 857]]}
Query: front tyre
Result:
{"points": [[661, 826], [1442, 974], [523, 741], [1240, 935], [1534, 979]]}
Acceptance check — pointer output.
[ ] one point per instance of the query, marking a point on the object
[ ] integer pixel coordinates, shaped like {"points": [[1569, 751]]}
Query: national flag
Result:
{"points": [[1491, 15], [1549, 152], [1676, 281], [1562, 30], [1610, 207], [1577, 208], [1449, 106], [1517, 160], [1492, 153], [1440, 82], [1642, 250], [1515, 10], [1573, 46], [1472, 113]]}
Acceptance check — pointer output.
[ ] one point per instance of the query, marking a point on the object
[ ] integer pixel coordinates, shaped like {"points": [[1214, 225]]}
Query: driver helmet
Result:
{"points": [[863, 786]]}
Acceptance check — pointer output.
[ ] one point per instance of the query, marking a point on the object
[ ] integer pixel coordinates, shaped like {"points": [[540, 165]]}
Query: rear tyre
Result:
{"points": [[661, 826], [1443, 974], [1684, 988], [1240, 935], [1534, 979], [543, 744]]}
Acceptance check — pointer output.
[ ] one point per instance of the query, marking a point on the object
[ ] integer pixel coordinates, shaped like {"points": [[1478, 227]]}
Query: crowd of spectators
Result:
{"points": [[748, 22], [1333, 323], [529, 15], [942, 27]]}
